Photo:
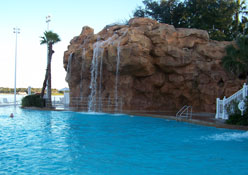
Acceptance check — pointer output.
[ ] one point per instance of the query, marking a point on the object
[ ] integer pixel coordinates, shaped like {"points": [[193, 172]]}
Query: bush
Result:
{"points": [[235, 117], [33, 101], [238, 119]]}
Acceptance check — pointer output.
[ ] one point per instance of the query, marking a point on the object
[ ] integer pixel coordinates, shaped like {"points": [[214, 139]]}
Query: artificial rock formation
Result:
{"points": [[149, 65]]}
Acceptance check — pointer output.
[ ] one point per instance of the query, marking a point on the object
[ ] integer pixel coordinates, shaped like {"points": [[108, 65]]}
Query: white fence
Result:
{"points": [[8, 99], [221, 105], [60, 101], [99, 104]]}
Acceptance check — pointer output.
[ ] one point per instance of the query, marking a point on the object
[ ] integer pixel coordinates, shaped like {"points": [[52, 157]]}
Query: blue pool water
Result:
{"points": [[41, 142]]}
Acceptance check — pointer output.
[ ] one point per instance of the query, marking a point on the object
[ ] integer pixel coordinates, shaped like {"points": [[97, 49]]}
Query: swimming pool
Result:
{"points": [[50, 142]]}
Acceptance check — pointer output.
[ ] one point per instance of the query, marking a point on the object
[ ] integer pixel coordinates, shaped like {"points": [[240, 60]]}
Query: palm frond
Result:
{"points": [[50, 37], [43, 40]]}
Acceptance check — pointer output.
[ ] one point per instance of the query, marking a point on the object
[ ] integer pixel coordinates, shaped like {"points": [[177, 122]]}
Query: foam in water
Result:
{"points": [[92, 113], [228, 136]]}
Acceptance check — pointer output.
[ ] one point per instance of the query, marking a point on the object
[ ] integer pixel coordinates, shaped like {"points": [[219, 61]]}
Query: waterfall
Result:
{"points": [[94, 74], [68, 68], [100, 83], [95, 97], [117, 76], [81, 80]]}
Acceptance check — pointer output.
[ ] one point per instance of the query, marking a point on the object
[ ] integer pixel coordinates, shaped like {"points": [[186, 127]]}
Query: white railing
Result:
{"points": [[185, 111], [99, 105], [221, 105], [59, 101], [7, 102]]}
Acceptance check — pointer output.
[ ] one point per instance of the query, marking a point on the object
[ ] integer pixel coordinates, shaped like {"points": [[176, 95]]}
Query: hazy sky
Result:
{"points": [[67, 20]]}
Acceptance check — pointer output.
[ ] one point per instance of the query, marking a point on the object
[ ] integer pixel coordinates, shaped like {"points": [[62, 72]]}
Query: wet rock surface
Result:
{"points": [[158, 67]]}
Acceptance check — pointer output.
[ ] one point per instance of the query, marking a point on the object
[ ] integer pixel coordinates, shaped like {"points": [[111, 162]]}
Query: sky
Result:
{"points": [[67, 20]]}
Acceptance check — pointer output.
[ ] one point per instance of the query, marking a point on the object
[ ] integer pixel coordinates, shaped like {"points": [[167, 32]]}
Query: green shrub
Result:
{"points": [[33, 101], [232, 108], [238, 119], [235, 117]]}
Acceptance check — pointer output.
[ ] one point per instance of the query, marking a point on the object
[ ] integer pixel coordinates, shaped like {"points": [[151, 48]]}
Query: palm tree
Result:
{"points": [[49, 38], [237, 12], [236, 59], [240, 11]]}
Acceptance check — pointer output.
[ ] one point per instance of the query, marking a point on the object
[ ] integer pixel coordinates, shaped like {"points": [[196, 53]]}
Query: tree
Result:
{"points": [[240, 10], [220, 18], [49, 38], [164, 11], [236, 59], [139, 12], [214, 16]]}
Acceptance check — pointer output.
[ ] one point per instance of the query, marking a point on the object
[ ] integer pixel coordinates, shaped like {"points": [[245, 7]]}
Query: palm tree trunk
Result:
{"points": [[49, 78], [46, 75], [49, 94], [44, 84], [237, 16]]}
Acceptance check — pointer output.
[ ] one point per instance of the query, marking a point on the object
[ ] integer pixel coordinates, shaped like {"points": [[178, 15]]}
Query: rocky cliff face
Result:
{"points": [[146, 65]]}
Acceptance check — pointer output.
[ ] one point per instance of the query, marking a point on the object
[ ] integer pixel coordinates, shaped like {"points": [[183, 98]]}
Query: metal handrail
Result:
{"points": [[185, 110]]}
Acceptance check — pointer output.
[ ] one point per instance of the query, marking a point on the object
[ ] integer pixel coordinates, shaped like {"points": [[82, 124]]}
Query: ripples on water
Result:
{"points": [[41, 142]]}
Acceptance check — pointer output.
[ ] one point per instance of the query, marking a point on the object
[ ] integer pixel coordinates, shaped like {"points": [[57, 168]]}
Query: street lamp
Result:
{"points": [[48, 19], [16, 31]]}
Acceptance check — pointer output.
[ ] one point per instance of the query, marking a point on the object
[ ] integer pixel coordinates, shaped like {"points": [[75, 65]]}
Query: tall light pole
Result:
{"points": [[16, 31], [48, 19]]}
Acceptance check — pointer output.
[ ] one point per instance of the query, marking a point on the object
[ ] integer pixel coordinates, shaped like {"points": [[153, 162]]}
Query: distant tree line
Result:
{"points": [[11, 90], [5, 90], [223, 19]]}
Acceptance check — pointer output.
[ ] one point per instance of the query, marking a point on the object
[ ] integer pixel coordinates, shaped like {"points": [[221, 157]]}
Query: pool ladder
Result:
{"points": [[185, 112]]}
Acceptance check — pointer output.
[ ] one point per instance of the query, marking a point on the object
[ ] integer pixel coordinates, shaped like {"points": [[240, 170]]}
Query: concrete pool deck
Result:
{"points": [[206, 119]]}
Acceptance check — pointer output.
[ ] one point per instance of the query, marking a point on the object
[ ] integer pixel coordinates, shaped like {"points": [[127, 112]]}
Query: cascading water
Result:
{"points": [[94, 74], [81, 80], [95, 97], [100, 83], [117, 76], [68, 68]]}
